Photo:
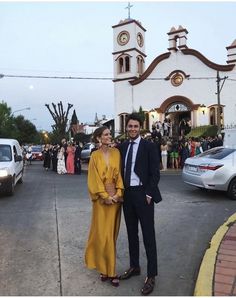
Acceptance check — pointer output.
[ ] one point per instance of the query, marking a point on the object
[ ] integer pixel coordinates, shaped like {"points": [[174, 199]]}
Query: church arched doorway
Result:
{"points": [[178, 109]]}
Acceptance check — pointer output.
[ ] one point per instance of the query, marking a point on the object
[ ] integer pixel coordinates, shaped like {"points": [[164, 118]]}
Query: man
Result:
{"points": [[140, 171]]}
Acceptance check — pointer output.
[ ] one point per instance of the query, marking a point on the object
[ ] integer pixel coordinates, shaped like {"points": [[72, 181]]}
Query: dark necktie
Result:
{"points": [[128, 165]]}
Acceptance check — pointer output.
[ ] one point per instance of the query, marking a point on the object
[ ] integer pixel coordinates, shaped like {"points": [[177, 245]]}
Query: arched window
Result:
{"points": [[140, 63], [212, 116], [123, 63], [127, 66]]}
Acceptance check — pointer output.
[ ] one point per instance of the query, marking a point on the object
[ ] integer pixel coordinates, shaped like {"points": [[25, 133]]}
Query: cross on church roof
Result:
{"points": [[128, 7]]}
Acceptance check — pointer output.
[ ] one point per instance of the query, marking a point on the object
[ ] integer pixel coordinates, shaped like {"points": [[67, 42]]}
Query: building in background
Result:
{"points": [[178, 84]]}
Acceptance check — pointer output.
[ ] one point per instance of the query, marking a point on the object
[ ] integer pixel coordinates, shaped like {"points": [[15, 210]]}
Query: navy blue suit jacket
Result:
{"points": [[147, 167]]}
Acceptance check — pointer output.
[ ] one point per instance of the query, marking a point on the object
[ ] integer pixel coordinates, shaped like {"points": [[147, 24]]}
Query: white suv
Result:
{"points": [[11, 165]]}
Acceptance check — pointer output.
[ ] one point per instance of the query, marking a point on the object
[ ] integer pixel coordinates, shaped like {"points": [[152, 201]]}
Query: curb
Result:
{"points": [[204, 284]]}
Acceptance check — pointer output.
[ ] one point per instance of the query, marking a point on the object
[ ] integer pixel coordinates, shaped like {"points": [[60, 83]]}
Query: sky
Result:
{"points": [[75, 39]]}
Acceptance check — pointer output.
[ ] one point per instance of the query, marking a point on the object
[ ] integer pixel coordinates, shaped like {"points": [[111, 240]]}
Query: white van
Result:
{"points": [[230, 137], [11, 165]]}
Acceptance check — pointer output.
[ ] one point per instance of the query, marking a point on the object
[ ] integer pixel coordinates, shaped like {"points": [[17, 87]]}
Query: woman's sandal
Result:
{"points": [[115, 281], [103, 277]]}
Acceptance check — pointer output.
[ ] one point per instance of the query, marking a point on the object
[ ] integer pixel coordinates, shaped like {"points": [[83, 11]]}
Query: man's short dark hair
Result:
{"points": [[134, 116]]}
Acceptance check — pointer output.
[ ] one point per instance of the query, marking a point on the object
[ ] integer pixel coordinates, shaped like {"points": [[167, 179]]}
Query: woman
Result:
{"points": [[164, 155], [61, 168], [106, 190], [70, 161], [47, 157]]}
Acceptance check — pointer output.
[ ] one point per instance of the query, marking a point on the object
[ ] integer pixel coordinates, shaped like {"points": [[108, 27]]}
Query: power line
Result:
{"points": [[93, 78]]}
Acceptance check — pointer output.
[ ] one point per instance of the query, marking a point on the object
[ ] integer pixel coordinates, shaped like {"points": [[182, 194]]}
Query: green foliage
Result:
{"points": [[16, 127], [140, 113], [203, 131]]}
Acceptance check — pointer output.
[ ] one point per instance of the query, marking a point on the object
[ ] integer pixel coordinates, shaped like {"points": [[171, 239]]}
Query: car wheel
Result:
{"points": [[232, 189], [21, 179], [11, 188]]}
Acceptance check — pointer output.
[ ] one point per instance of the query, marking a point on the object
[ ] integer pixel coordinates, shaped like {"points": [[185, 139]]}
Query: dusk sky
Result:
{"points": [[76, 39]]}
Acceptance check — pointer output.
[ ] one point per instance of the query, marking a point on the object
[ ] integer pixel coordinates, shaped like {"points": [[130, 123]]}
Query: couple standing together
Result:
{"points": [[130, 176]]}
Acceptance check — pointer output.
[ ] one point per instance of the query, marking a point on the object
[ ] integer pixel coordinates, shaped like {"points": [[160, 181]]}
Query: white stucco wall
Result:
{"points": [[152, 93]]}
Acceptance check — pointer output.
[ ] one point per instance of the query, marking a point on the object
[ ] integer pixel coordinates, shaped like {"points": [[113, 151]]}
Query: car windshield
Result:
{"points": [[5, 153], [217, 153]]}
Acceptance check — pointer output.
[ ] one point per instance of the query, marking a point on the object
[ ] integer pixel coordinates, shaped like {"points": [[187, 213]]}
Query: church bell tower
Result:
{"points": [[128, 49]]}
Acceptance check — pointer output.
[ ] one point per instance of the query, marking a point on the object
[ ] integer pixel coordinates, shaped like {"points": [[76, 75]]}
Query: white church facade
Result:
{"points": [[178, 84]]}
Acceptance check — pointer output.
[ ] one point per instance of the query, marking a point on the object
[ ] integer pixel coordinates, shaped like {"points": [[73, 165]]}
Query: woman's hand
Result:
{"points": [[109, 201]]}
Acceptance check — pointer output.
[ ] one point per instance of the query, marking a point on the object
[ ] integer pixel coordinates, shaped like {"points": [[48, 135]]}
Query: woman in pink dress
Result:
{"points": [[70, 161]]}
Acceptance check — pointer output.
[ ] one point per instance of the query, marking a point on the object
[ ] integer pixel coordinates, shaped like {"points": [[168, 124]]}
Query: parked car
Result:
{"points": [[37, 153], [213, 169], [11, 165], [86, 151]]}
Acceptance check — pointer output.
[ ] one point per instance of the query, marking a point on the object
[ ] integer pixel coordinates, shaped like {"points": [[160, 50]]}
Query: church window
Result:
{"points": [[213, 115], [127, 66], [177, 107], [124, 63], [121, 65], [140, 63]]}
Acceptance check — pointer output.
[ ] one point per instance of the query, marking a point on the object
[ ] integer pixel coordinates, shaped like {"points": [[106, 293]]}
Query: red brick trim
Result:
{"points": [[151, 67], [123, 79], [132, 49], [206, 61], [177, 98]]}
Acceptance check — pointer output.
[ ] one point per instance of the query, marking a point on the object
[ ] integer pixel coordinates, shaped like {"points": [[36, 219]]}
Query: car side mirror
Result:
{"points": [[18, 158]]}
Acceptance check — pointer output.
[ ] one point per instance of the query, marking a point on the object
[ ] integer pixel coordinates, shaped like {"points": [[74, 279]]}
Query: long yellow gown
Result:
{"points": [[100, 252]]}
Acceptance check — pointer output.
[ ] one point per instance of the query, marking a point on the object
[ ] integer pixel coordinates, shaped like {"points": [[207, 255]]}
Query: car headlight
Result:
{"points": [[3, 173]]}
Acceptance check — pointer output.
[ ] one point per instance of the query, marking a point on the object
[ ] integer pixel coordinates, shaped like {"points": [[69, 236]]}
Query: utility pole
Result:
{"points": [[219, 88]]}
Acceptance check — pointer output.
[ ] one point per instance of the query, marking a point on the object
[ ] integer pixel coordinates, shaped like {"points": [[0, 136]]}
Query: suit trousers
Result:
{"points": [[136, 209]]}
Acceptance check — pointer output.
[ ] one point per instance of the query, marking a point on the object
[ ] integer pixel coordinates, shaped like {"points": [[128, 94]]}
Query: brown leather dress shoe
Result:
{"points": [[148, 286], [130, 272]]}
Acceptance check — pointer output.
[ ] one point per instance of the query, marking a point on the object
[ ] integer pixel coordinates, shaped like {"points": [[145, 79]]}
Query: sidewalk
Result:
{"points": [[217, 274]]}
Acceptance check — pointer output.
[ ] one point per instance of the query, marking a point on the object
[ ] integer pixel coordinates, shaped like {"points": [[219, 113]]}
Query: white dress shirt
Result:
{"points": [[134, 179]]}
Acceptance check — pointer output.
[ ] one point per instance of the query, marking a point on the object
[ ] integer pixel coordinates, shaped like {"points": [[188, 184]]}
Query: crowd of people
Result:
{"points": [[63, 158], [175, 150]]}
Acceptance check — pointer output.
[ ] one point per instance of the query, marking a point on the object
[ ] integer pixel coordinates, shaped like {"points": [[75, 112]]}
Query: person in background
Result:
{"points": [[29, 155], [78, 150], [106, 191], [47, 157], [164, 154], [70, 161], [54, 153], [61, 167]]}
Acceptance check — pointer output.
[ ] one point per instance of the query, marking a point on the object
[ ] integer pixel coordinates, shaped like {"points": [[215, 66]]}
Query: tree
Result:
{"points": [[5, 120], [16, 127], [60, 118], [25, 131]]}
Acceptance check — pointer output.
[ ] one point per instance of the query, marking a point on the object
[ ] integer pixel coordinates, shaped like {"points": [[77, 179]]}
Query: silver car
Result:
{"points": [[213, 169], [86, 151]]}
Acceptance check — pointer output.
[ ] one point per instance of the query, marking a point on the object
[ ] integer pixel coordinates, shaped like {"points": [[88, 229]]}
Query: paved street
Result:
{"points": [[44, 228]]}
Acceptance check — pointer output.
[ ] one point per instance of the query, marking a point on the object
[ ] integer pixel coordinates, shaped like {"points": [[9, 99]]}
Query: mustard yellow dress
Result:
{"points": [[100, 252]]}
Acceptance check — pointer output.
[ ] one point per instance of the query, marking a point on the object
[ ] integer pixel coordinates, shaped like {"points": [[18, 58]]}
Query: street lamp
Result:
{"points": [[21, 110]]}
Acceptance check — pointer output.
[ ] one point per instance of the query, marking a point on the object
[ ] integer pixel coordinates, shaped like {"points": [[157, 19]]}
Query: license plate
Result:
{"points": [[192, 168]]}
